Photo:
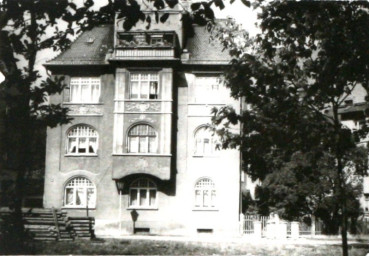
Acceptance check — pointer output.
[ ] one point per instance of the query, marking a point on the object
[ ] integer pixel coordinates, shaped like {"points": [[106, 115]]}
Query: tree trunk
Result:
{"points": [[340, 178], [24, 129]]}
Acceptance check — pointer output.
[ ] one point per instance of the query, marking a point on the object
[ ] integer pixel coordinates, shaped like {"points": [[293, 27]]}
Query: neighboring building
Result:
{"points": [[138, 147], [354, 116]]}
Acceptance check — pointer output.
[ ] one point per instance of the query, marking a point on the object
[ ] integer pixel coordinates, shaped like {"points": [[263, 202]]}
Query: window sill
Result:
{"points": [[77, 208], [143, 208], [140, 154], [83, 103], [145, 100], [81, 155], [205, 156], [205, 209]]}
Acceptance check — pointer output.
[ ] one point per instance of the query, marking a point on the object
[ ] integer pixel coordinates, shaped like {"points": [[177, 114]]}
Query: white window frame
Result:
{"points": [[80, 185], [208, 88], [366, 203], [140, 187], [205, 194], [150, 91], [149, 146], [92, 86], [204, 142], [75, 136]]}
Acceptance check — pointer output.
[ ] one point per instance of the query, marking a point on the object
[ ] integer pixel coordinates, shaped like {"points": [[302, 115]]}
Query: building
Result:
{"points": [[354, 116], [137, 155]]}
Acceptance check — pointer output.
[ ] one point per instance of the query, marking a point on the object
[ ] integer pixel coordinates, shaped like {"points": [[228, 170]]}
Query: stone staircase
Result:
{"points": [[53, 225], [83, 227]]}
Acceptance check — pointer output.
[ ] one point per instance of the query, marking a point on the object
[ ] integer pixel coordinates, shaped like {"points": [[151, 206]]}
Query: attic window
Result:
{"points": [[156, 39], [90, 40]]}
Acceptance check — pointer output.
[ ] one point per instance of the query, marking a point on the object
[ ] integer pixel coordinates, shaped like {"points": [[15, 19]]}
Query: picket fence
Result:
{"points": [[247, 226]]}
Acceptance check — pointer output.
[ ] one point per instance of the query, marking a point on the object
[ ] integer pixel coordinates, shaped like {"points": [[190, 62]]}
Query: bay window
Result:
{"points": [[144, 85], [142, 139]]}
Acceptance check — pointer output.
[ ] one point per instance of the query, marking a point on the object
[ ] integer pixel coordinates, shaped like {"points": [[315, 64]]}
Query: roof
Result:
{"points": [[90, 48], [205, 50], [358, 107]]}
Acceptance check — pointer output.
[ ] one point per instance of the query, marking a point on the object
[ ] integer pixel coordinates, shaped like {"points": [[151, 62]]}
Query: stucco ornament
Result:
{"points": [[143, 106], [142, 118], [84, 110]]}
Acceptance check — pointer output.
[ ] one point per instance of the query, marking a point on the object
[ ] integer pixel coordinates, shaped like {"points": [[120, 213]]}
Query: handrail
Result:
{"points": [[56, 222]]}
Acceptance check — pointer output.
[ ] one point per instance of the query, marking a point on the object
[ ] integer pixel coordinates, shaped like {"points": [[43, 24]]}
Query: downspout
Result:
{"points": [[240, 210]]}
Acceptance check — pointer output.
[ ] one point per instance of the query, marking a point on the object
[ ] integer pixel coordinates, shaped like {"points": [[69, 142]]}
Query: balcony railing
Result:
{"points": [[139, 53]]}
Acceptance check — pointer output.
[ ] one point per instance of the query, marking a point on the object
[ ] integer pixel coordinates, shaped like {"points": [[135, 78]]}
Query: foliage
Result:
{"points": [[296, 74]]}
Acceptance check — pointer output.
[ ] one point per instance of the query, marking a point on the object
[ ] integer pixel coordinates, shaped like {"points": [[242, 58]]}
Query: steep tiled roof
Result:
{"points": [[204, 50], [90, 47]]}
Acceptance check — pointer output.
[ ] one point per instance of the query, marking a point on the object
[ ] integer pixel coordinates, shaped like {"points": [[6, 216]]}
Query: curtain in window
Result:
{"points": [[142, 139]]}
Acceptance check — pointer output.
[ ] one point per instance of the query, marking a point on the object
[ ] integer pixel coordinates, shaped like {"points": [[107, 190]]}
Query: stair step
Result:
{"points": [[82, 228], [81, 221], [38, 218], [66, 239], [45, 238], [38, 227]]}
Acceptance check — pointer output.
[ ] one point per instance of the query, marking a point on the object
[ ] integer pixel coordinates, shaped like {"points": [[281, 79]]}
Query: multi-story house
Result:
{"points": [[138, 156], [354, 116]]}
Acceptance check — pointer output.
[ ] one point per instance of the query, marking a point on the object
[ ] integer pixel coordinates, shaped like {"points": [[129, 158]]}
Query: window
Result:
{"points": [[205, 194], [366, 203], [142, 194], [142, 139], [144, 86], [156, 39], [84, 89], [205, 142], [82, 140], [208, 89], [80, 192]]}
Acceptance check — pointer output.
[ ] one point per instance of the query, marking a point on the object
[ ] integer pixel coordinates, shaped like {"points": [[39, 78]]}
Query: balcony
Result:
{"points": [[155, 165], [145, 46]]}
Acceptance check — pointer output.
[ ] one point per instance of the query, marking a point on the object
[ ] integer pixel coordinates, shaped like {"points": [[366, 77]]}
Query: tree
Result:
{"points": [[296, 74]]}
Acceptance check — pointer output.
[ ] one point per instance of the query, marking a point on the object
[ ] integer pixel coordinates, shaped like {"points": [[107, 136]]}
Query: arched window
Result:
{"points": [[82, 140], [142, 194], [79, 193], [205, 142], [142, 139], [205, 194]]}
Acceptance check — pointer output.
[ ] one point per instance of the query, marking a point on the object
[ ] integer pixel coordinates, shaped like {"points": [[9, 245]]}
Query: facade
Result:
{"points": [[138, 155]]}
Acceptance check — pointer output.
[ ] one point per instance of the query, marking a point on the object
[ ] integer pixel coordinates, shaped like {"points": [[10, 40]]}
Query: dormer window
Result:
{"points": [[156, 40]]}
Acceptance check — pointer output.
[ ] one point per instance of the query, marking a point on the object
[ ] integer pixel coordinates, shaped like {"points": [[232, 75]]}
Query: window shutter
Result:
{"points": [[66, 91], [66, 94]]}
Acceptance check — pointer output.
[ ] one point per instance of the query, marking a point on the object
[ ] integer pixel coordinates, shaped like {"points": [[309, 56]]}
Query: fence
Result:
{"points": [[310, 230], [248, 226]]}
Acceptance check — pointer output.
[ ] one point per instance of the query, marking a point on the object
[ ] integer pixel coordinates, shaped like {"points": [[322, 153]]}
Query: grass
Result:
{"points": [[148, 247]]}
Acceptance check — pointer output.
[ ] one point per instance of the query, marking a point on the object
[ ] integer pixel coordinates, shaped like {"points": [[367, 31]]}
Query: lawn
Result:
{"points": [[148, 247]]}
